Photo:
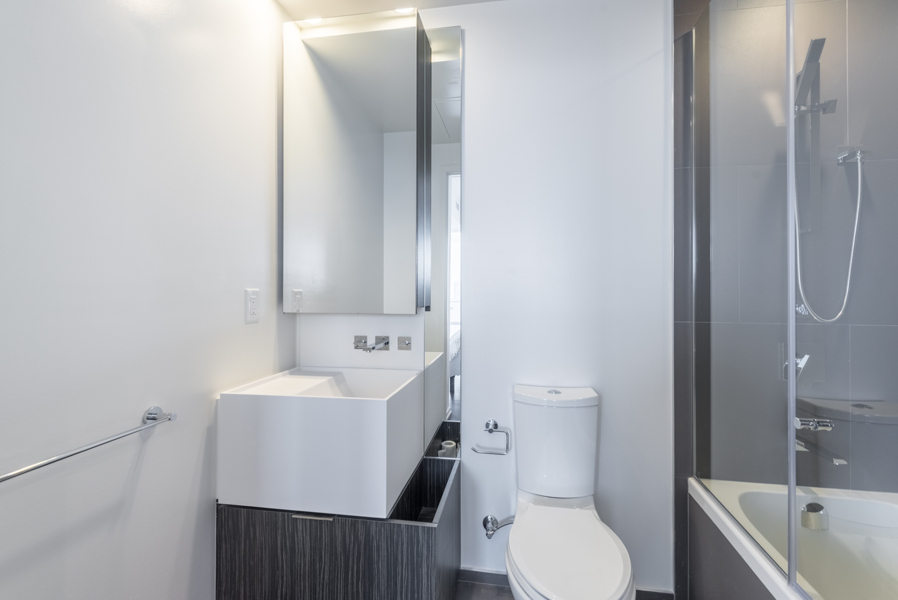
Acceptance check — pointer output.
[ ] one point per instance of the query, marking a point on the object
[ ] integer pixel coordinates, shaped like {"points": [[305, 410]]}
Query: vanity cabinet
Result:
{"points": [[282, 555]]}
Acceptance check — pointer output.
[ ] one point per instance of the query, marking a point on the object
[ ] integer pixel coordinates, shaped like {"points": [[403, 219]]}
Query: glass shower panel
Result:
{"points": [[741, 279], [846, 157]]}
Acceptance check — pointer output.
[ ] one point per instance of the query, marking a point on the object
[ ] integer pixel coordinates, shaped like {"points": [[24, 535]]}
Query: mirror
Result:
{"points": [[357, 116], [442, 324]]}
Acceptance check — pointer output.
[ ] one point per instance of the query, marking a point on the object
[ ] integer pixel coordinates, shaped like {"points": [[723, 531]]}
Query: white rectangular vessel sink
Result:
{"points": [[333, 441]]}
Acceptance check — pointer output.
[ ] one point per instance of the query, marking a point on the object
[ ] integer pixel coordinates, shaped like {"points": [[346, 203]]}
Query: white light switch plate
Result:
{"points": [[297, 300], [251, 305]]}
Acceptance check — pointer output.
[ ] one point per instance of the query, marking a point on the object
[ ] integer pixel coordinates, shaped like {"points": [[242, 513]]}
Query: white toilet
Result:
{"points": [[559, 548]]}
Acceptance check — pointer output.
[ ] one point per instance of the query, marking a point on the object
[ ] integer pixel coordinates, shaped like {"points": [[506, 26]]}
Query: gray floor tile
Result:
{"points": [[481, 591]]}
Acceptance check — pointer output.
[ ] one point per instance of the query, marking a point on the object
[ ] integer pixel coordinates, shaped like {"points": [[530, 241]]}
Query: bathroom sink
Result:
{"points": [[342, 383], [333, 441]]}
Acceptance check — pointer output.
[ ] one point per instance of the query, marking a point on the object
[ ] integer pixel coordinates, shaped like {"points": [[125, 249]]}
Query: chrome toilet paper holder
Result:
{"points": [[493, 427]]}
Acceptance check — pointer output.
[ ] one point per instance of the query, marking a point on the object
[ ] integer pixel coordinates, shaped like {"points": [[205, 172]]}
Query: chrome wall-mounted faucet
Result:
{"points": [[814, 424], [381, 343]]}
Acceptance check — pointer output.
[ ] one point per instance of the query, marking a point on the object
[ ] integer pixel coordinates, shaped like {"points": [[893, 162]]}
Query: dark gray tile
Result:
{"points": [[701, 239], [748, 403], [747, 65], [701, 78], [715, 568], [826, 248], [874, 355], [825, 377], [826, 374], [724, 244], [818, 469], [683, 73], [875, 278], [873, 72], [762, 244], [827, 223], [681, 537], [873, 451], [683, 465], [683, 244], [481, 591], [702, 399], [815, 20]]}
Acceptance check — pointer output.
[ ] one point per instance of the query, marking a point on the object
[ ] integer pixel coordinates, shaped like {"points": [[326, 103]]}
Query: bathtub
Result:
{"points": [[856, 558]]}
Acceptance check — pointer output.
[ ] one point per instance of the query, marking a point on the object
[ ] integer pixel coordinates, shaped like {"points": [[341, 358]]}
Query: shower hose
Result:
{"points": [[857, 215]]}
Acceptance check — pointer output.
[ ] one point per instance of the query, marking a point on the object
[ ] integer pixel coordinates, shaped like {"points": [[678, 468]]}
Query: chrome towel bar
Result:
{"points": [[152, 417]]}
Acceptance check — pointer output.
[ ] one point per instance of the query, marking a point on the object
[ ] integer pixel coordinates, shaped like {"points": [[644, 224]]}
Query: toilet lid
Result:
{"points": [[568, 554]]}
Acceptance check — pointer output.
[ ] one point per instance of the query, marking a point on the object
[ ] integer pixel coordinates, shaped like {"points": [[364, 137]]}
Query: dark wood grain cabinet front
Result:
{"points": [[280, 555]]}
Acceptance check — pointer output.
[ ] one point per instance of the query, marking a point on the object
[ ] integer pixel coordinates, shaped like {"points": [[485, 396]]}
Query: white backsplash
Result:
{"points": [[326, 341]]}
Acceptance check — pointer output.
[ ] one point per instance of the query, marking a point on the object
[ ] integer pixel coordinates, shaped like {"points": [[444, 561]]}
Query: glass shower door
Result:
{"points": [[741, 279], [846, 331]]}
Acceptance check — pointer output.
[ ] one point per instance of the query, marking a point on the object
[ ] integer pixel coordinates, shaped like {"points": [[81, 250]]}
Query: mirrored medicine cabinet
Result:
{"points": [[357, 148]]}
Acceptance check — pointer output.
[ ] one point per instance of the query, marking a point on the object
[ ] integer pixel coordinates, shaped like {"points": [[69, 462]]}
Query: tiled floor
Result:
{"points": [[482, 591]]}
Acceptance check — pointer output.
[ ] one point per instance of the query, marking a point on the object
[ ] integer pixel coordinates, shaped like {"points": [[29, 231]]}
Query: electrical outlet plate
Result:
{"points": [[251, 305]]}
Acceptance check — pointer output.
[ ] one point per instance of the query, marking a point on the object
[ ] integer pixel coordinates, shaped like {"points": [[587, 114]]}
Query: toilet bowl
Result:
{"points": [[558, 547]]}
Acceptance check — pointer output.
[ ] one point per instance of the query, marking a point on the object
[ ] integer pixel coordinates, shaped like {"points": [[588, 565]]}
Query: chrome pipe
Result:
{"points": [[152, 417], [491, 524]]}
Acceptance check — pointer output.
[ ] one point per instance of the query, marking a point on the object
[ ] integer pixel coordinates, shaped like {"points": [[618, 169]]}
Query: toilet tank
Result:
{"points": [[556, 431]]}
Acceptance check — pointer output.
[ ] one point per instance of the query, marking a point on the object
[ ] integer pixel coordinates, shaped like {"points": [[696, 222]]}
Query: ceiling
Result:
{"points": [[308, 9]]}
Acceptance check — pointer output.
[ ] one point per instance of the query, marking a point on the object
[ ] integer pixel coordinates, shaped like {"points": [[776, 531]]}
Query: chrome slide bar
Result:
{"points": [[152, 417]]}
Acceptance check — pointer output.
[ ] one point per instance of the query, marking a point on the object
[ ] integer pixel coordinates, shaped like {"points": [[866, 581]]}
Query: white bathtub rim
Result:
{"points": [[758, 561]]}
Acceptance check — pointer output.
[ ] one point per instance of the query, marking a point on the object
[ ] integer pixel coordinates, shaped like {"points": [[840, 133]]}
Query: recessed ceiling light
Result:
{"points": [[404, 11], [314, 21]]}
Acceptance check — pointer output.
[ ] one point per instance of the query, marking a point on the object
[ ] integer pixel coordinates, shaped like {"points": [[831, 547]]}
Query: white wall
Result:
{"points": [[138, 198], [400, 237], [567, 263], [327, 341]]}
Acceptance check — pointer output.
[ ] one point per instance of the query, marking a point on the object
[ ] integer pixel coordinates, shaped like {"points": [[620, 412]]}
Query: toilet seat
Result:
{"points": [[559, 549]]}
